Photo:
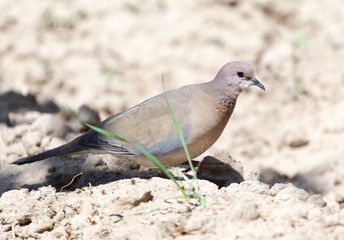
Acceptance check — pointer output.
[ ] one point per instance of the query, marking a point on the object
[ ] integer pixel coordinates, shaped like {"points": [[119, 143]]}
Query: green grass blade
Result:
{"points": [[146, 210], [153, 159], [181, 137], [176, 125], [90, 188]]}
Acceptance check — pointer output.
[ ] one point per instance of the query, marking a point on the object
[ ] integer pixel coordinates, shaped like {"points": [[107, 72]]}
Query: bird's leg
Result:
{"points": [[199, 165]]}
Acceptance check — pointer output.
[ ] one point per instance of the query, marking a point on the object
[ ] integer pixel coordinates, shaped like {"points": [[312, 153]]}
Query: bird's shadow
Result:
{"points": [[76, 178]]}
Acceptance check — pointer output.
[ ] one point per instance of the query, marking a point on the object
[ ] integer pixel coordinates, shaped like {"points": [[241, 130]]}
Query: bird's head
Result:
{"points": [[236, 76]]}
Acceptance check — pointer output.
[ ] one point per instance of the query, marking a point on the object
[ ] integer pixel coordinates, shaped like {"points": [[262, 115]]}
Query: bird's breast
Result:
{"points": [[224, 107], [208, 119]]}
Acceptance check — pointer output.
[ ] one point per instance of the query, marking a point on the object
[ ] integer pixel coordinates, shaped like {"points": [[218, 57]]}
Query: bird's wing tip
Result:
{"points": [[21, 161]]}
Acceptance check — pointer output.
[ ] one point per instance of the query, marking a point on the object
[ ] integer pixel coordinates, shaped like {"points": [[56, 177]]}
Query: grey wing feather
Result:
{"points": [[91, 140]]}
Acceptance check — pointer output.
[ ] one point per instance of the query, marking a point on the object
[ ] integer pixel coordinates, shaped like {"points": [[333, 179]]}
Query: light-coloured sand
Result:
{"points": [[109, 55]]}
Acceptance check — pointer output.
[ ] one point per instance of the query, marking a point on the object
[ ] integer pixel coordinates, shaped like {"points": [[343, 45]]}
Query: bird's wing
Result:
{"points": [[148, 125], [92, 140]]}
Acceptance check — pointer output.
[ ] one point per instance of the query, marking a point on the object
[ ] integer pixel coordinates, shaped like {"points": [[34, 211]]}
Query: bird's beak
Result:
{"points": [[257, 83]]}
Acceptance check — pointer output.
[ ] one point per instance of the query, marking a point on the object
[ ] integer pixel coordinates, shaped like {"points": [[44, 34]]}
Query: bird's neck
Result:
{"points": [[225, 99], [231, 94], [225, 94]]}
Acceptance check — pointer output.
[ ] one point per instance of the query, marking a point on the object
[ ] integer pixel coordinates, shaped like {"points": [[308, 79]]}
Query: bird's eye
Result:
{"points": [[240, 74]]}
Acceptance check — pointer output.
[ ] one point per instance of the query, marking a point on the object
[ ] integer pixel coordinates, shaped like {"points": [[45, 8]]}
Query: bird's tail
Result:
{"points": [[69, 148]]}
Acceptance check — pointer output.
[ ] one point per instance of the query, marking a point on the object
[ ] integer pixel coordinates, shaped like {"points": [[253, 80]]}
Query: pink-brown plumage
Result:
{"points": [[201, 110]]}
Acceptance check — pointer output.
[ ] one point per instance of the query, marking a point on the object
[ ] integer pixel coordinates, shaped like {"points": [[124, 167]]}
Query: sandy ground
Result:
{"points": [[110, 55]]}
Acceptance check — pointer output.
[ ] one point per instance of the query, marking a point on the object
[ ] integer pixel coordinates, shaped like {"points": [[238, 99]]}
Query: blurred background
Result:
{"points": [[109, 55]]}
